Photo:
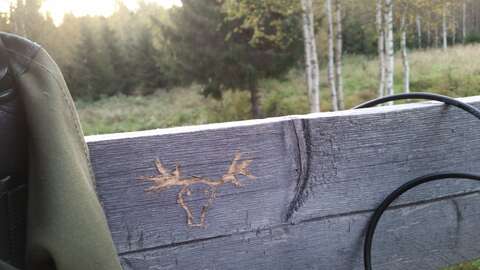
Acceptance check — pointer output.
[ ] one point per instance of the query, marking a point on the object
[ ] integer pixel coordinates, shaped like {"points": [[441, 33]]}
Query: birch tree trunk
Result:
{"points": [[436, 38], [454, 30], [312, 71], [464, 22], [444, 27], [331, 55], [339, 54], [405, 62], [419, 31], [389, 48], [381, 49], [429, 35]]}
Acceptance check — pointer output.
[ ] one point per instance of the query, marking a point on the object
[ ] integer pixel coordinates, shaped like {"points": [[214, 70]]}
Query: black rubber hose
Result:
{"points": [[367, 255], [428, 96], [393, 196]]}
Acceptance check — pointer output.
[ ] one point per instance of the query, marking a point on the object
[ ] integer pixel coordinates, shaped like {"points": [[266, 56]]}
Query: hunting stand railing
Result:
{"points": [[294, 192]]}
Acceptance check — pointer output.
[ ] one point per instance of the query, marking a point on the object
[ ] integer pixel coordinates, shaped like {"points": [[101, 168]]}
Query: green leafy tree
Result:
{"points": [[224, 50]]}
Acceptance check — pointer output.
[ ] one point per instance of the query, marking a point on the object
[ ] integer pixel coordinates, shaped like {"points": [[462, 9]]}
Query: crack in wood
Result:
{"points": [[165, 180], [302, 190]]}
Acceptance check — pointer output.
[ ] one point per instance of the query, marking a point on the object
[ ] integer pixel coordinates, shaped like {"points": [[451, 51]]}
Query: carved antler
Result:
{"points": [[236, 169], [167, 179]]}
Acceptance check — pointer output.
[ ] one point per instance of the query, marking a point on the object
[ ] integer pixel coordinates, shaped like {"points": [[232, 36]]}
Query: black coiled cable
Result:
{"points": [[367, 255]]}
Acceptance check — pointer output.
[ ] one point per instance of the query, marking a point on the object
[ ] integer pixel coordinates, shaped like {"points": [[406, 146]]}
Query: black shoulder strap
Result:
{"points": [[13, 188]]}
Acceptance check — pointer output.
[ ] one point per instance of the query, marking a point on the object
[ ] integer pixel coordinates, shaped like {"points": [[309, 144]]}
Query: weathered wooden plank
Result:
{"points": [[426, 236], [347, 161]]}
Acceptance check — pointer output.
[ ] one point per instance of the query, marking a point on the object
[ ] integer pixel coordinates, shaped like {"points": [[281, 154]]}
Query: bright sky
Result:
{"points": [[85, 7]]}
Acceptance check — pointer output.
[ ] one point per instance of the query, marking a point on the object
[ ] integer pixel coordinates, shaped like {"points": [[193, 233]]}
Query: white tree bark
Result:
{"points": [[444, 27], [405, 62], [454, 30], [312, 71], [339, 55], [429, 35], [331, 55], [419, 31], [389, 48], [381, 49], [464, 22]]}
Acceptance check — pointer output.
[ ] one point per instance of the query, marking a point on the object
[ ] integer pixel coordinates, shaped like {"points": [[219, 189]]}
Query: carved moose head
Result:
{"points": [[166, 180]]}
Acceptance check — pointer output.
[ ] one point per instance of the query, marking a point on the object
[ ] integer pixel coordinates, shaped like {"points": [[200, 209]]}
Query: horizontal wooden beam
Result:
{"points": [[313, 173]]}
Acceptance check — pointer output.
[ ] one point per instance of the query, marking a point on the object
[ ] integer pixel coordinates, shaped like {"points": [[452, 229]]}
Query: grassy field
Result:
{"points": [[466, 266], [455, 73]]}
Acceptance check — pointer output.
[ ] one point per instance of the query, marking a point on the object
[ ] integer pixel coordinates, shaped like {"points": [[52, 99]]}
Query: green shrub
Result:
{"points": [[234, 106], [285, 97]]}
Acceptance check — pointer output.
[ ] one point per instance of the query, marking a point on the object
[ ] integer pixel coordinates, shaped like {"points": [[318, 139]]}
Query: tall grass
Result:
{"points": [[466, 266]]}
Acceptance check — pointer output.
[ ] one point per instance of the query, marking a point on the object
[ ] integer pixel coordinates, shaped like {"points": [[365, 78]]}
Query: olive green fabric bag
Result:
{"points": [[66, 227]]}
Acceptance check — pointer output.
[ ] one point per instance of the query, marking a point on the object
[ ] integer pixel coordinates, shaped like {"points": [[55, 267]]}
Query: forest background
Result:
{"points": [[224, 60]]}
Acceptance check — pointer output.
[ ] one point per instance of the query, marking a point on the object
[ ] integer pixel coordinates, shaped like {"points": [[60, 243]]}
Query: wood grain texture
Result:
{"points": [[364, 157], [426, 236], [315, 173], [144, 220]]}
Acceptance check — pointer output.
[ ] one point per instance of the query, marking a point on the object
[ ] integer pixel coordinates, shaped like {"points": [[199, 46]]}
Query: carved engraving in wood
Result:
{"points": [[169, 179]]}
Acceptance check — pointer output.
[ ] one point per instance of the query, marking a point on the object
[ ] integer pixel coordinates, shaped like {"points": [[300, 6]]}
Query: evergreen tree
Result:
{"points": [[147, 70], [88, 72], [33, 20], [119, 74]]}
